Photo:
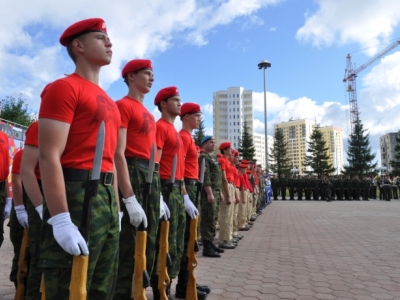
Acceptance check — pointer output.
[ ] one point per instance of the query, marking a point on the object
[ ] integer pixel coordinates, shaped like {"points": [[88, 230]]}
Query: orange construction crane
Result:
{"points": [[350, 77]]}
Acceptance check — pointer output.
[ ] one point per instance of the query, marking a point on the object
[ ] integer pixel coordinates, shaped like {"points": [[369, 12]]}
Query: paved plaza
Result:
{"points": [[301, 250]]}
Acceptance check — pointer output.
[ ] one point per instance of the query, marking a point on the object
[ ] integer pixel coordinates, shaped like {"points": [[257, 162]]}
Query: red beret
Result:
{"points": [[245, 161], [224, 145], [82, 27], [166, 93], [244, 166], [136, 65], [248, 171], [189, 108], [236, 153]]}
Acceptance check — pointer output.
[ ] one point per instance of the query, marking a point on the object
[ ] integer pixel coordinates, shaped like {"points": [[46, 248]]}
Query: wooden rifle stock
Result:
{"points": [[77, 287], [43, 289], [22, 266], [163, 260], [191, 290], [140, 278]]}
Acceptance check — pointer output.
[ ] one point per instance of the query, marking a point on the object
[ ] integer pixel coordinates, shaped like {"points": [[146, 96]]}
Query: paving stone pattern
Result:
{"points": [[301, 250]]}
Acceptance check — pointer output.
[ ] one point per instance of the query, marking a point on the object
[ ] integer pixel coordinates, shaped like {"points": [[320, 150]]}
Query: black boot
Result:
{"points": [[181, 286], [216, 249], [168, 290], [204, 288], [208, 250]]}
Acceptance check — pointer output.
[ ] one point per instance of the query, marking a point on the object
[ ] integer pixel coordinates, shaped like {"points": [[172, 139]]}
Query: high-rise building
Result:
{"points": [[297, 135], [333, 136], [259, 145], [388, 143], [232, 107]]}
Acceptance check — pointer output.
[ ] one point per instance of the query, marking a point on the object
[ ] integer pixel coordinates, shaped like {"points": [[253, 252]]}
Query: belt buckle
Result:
{"points": [[108, 178]]}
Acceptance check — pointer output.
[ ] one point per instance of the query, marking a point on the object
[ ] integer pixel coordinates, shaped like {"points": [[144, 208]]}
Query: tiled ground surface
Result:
{"points": [[301, 250]]}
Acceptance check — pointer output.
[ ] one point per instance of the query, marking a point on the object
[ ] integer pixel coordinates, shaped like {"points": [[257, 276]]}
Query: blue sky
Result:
{"points": [[208, 45]]}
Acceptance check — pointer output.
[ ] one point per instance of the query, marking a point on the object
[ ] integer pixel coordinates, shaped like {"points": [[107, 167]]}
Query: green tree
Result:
{"points": [[359, 153], [317, 157], [16, 111], [246, 144], [279, 158], [396, 162], [199, 133]]}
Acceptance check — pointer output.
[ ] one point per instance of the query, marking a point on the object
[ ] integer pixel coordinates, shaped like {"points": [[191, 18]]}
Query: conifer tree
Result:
{"points": [[199, 133], [317, 157], [359, 153], [279, 159], [246, 144], [396, 162]]}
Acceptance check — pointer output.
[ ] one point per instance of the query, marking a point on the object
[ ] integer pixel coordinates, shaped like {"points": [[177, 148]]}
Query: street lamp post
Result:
{"points": [[264, 64]]}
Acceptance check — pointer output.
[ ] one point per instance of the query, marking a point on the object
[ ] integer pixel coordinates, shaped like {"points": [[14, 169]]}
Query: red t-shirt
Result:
{"points": [[140, 125], [169, 141], [226, 166], [236, 179], [16, 166], [249, 186], [83, 105], [191, 156], [4, 157], [32, 139]]}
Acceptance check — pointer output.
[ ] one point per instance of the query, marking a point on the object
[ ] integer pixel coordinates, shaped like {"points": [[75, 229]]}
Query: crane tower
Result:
{"points": [[351, 75]]}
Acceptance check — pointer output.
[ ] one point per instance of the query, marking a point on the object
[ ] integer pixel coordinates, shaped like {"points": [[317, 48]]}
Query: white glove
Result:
{"points": [[67, 234], [39, 210], [135, 211], [164, 210], [120, 215], [22, 215], [189, 207], [7, 208]]}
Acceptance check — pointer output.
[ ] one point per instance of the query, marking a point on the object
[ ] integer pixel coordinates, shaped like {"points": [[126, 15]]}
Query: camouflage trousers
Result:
{"points": [[102, 242], [209, 214], [16, 233], [127, 241], [177, 223], [35, 272], [226, 214]]}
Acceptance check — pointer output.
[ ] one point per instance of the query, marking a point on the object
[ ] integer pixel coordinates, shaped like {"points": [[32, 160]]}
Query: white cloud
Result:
{"points": [[275, 103], [30, 55], [208, 108], [341, 21]]}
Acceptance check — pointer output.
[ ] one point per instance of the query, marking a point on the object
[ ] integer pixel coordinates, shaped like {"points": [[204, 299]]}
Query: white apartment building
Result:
{"points": [[259, 145], [231, 108], [387, 144]]}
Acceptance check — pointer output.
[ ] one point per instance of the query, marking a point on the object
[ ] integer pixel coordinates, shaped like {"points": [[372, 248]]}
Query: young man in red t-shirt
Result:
{"points": [[169, 145], [190, 117], [228, 191], [71, 114], [5, 201], [30, 175], [137, 134]]}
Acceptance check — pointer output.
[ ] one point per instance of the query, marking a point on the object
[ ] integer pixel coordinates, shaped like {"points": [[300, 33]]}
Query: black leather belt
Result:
{"points": [[106, 178], [190, 181], [2, 184], [140, 162], [177, 183]]}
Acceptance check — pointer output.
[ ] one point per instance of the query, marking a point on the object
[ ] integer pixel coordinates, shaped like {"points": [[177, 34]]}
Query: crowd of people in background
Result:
{"points": [[340, 187]]}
